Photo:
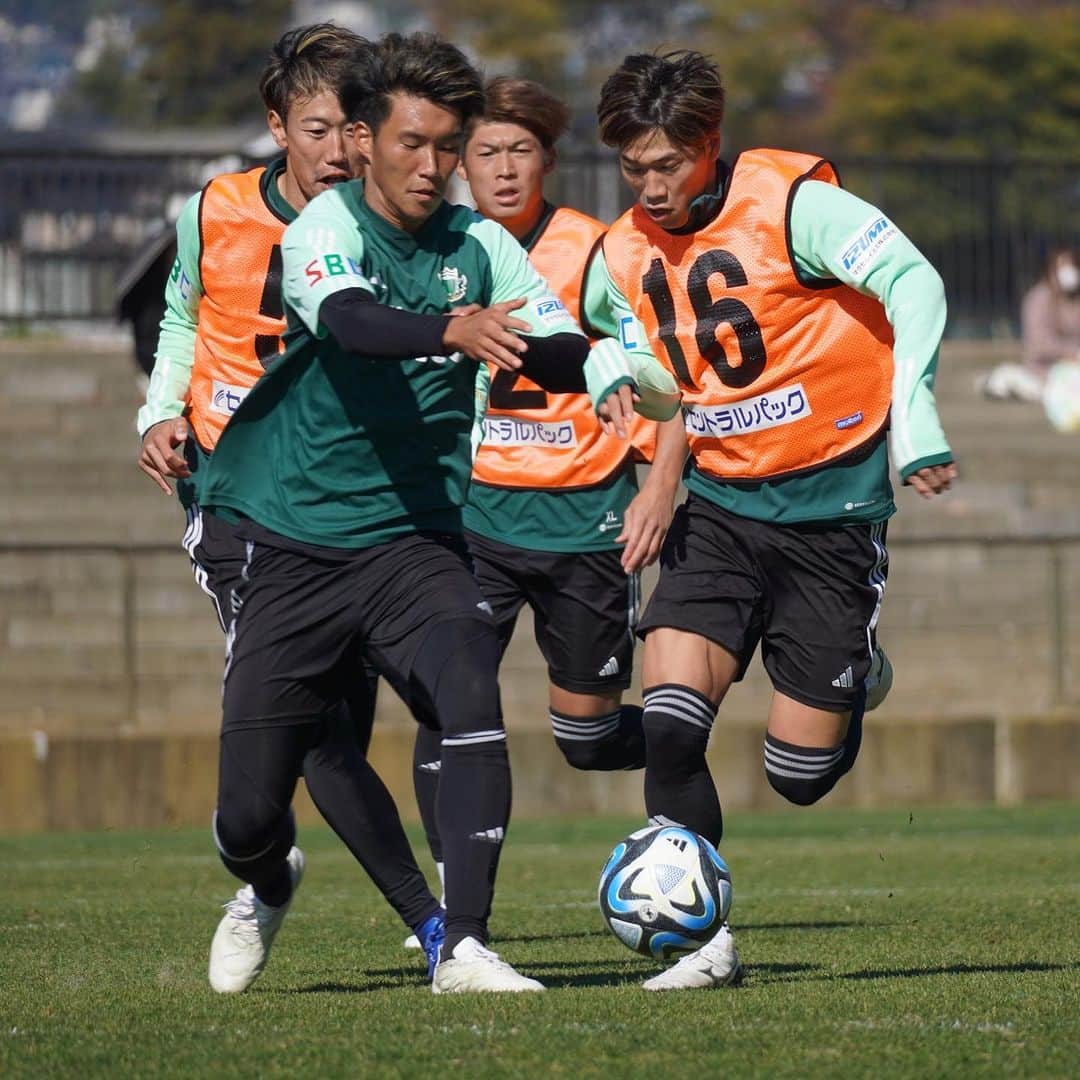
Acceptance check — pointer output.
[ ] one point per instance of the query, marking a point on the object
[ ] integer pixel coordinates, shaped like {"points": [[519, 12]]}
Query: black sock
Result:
{"points": [[678, 785], [456, 671], [352, 798], [427, 762]]}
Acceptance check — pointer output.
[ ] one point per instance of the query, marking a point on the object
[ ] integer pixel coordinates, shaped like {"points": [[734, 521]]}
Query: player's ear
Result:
{"points": [[363, 137], [550, 158], [276, 124]]}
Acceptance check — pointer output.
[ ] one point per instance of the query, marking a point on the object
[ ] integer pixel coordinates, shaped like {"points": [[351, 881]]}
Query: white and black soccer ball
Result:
{"points": [[664, 891]]}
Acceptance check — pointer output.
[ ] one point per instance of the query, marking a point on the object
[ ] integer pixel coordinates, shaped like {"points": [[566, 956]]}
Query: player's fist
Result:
{"points": [[161, 453], [934, 479]]}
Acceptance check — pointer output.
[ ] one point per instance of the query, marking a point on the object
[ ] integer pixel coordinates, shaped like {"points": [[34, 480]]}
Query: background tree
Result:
{"points": [[969, 82]]}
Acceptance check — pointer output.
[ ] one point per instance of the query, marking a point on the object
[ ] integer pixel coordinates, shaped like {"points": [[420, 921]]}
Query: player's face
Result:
{"points": [[667, 178], [319, 151], [410, 159], [505, 166]]}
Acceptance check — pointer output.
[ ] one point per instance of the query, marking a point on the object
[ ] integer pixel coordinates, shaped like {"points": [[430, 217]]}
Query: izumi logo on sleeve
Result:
{"points": [[551, 311], [859, 253], [331, 266]]}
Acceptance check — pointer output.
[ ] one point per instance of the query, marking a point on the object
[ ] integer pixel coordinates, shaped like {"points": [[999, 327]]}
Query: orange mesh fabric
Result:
{"points": [[777, 375], [534, 439], [241, 318]]}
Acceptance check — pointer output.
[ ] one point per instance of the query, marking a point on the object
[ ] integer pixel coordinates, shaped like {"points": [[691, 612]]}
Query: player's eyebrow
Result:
{"points": [[495, 144], [664, 162]]}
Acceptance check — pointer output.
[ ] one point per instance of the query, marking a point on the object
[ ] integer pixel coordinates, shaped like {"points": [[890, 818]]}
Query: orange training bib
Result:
{"points": [[241, 317], [778, 375]]}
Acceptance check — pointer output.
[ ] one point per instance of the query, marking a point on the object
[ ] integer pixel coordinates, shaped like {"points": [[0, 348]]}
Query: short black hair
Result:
{"points": [[422, 65], [680, 93], [307, 60]]}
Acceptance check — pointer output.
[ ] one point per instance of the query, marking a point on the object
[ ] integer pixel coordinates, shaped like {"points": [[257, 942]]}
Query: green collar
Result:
{"points": [[405, 242], [529, 240], [278, 205], [706, 207]]}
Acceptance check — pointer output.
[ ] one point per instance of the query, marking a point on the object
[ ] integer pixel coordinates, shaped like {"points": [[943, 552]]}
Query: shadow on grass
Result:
{"points": [[525, 938], [955, 969], [828, 924], [793, 973]]}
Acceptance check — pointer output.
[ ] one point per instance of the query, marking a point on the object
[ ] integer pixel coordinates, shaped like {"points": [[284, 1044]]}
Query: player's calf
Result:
{"points": [[615, 740], [803, 774], [678, 786]]}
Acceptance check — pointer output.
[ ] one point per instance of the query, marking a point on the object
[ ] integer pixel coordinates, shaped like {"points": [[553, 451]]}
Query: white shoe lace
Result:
{"points": [[242, 910]]}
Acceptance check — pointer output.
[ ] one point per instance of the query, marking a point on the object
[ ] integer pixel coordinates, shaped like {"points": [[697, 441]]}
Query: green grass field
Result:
{"points": [[876, 943]]}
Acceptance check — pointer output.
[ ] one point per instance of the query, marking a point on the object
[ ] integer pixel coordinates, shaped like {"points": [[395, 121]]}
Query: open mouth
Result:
{"points": [[507, 196], [330, 179]]}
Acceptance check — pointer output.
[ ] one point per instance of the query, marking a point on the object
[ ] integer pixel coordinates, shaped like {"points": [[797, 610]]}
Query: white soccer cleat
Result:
{"points": [[243, 938], [715, 964], [878, 682], [472, 969]]}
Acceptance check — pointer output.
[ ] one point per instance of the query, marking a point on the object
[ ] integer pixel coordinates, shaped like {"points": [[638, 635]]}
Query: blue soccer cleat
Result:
{"points": [[430, 934]]}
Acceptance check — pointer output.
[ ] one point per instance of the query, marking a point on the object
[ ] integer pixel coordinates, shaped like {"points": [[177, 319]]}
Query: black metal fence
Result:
{"points": [[72, 224]]}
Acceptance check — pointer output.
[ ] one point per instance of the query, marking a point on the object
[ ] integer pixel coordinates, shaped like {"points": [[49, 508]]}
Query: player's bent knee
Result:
{"points": [[252, 835], [802, 774]]}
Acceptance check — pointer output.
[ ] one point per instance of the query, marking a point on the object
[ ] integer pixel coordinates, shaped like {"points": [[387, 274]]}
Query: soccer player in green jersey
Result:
{"points": [[554, 519], [347, 466], [799, 323], [223, 322]]}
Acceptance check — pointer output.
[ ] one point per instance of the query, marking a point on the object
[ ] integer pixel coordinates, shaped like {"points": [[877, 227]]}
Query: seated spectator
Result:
{"points": [[1050, 332]]}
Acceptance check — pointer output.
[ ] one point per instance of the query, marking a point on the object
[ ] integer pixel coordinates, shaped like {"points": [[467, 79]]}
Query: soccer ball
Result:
{"points": [[664, 891]]}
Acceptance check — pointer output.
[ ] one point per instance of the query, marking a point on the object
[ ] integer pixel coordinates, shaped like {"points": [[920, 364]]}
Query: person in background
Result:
{"points": [[1049, 332]]}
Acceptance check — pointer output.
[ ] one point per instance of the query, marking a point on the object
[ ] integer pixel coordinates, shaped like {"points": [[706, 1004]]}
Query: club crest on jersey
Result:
{"points": [[456, 283]]}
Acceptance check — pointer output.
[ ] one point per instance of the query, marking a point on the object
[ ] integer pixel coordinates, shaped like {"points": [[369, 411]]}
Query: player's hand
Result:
{"points": [[645, 525], [465, 309], [934, 479], [617, 410], [161, 454], [488, 335]]}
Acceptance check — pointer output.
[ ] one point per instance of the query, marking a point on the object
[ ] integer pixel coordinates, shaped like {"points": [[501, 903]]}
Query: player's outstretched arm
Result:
{"points": [[649, 513], [836, 235]]}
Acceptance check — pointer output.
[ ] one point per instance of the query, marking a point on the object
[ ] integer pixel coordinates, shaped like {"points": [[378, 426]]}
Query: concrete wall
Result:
{"points": [[110, 657]]}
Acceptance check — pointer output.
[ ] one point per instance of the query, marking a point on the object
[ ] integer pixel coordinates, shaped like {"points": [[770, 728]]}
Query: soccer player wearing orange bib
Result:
{"points": [[801, 325], [223, 325], [553, 500]]}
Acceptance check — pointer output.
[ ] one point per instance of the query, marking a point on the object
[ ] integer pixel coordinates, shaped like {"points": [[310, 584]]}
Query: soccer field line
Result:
{"points": [[894, 891]]}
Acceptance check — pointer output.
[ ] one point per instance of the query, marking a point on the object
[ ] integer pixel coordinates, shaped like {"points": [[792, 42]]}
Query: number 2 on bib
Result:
{"points": [[711, 314]]}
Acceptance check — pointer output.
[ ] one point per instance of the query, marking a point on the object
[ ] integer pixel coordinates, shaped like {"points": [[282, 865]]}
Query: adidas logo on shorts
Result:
{"points": [[610, 668], [845, 680]]}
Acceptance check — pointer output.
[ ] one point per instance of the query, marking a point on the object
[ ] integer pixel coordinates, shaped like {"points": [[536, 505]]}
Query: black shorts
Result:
{"points": [[217, 561], [584, 607], [811, 594], [307, 617]]}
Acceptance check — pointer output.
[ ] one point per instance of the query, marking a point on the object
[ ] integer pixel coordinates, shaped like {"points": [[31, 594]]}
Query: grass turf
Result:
{"points": [[876, 943]]}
